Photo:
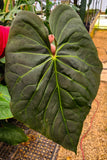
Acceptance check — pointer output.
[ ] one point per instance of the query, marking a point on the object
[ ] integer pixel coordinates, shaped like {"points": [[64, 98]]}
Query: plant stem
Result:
{"points": [[5, 5]]}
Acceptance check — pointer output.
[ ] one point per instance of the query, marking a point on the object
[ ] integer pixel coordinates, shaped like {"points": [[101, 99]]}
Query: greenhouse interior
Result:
{"points": [[53, 79]]}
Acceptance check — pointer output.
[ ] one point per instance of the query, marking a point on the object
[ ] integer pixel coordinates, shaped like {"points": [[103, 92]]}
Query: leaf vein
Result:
{"points": [[61, 33], [20, 77], [71, 67]]}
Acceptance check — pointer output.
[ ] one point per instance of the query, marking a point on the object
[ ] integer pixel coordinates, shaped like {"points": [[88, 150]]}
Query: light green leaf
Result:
{"points": [[2, 60], [5, 112], [52, 94]]}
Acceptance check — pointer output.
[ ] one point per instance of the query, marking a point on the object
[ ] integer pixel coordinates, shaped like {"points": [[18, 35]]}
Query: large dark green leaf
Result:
{"points": [[5, 112], [52, 94], [12, 134]]}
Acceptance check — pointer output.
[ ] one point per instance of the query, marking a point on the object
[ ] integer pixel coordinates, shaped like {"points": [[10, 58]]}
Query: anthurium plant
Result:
{"points": [[52, 93]]}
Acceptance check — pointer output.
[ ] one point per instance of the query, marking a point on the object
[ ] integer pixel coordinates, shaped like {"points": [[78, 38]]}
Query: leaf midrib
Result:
{"points": [[60, 104]]}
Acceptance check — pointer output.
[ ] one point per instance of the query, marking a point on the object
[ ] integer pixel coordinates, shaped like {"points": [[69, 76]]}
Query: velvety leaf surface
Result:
{"points": [[52, 94], [11, 134], [5, 112]]}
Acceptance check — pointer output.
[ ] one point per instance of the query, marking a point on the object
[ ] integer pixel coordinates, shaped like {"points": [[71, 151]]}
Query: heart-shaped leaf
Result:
{"points": [[5, 112], [52, 93]]}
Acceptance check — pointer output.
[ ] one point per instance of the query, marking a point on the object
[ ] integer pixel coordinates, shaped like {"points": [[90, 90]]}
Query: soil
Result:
{"points": [[95, 142]]}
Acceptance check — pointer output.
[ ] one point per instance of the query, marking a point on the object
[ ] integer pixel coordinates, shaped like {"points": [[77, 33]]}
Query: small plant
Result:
{"points": [[9, 133], [49, 5], [7, 16], [83, 10], [52, 93]]}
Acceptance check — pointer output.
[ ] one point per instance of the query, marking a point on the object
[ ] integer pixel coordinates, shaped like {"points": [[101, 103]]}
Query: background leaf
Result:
{"points": [[52, 94], [83, 9], [5, 112], [89, 3], [12, 134], [2, 60]]}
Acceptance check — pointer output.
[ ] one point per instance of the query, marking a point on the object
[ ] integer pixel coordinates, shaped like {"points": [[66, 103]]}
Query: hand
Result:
{"points": [[4, 33]]}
